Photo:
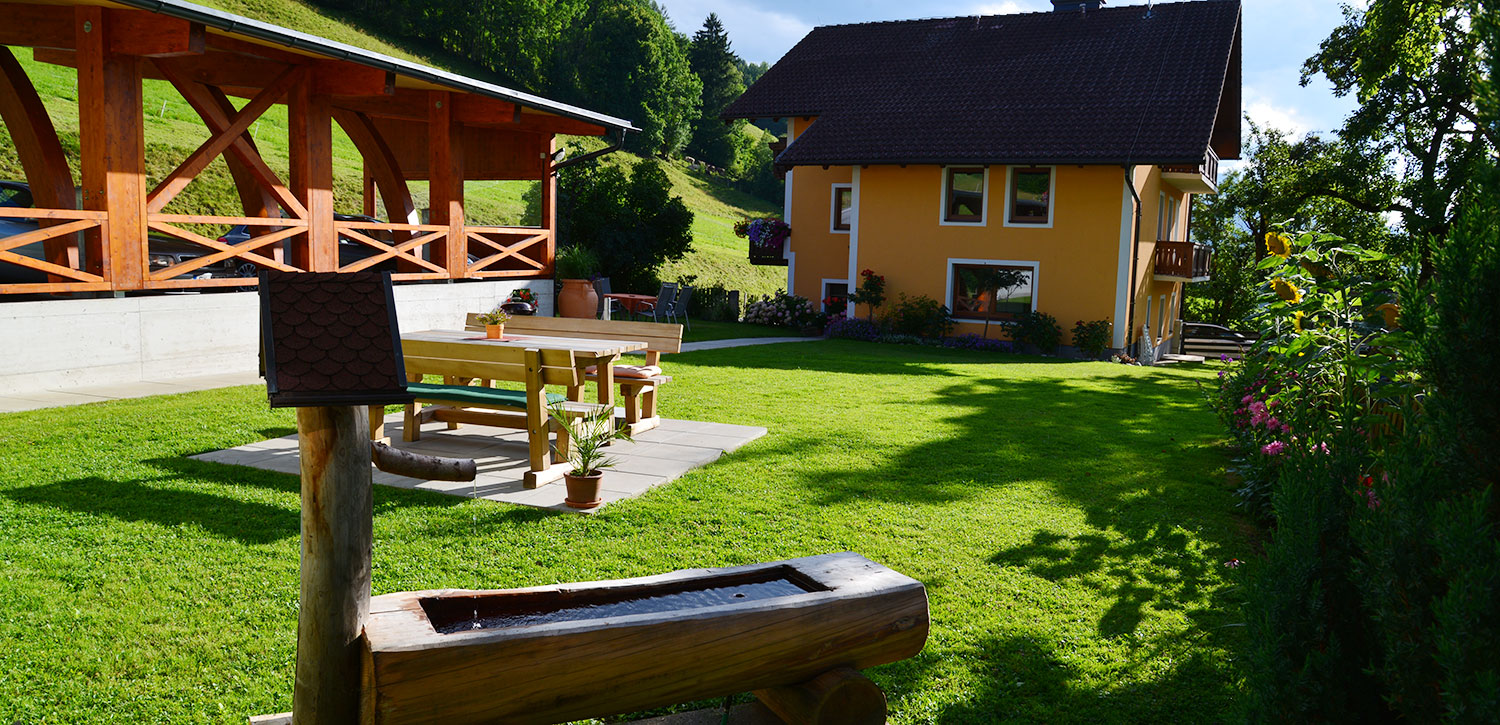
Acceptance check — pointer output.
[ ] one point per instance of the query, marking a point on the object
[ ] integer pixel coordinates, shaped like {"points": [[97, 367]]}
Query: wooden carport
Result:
{"points": [[409, 122]]}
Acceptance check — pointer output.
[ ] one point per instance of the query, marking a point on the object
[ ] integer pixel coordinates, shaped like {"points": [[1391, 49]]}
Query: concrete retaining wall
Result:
{"points": [[72, 343]]}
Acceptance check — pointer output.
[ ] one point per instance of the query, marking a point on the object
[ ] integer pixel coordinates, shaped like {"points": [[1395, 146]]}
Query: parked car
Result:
{"points": [[164, 251], [1214, 332]]}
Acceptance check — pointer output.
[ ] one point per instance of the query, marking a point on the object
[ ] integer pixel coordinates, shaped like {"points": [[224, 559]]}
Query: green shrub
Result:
{"points": [[919, 316], [576, 262], [1039, 329], [1091, 338], [710, 302]]}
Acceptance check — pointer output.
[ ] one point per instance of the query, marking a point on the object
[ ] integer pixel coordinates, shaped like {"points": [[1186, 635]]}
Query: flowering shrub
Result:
{"points": [[852, 328], [523, 294], [919, 316], [784, 310], [1039, 329], [871, 291], [767, 233]]}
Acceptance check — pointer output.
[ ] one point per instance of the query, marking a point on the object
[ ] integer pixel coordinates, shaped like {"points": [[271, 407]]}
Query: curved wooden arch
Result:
{"points": [[41, 154], [380, 164], [255, 199]]}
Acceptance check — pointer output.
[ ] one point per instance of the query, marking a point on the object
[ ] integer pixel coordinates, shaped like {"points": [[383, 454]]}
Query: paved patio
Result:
{"points": [[654, 458]]}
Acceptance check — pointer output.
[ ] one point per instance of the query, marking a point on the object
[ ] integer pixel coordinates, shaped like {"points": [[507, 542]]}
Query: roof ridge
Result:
{"points": [[914, 21]]}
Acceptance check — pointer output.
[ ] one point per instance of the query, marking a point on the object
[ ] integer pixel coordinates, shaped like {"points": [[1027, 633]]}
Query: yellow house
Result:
{"points": [[1065, 145]]}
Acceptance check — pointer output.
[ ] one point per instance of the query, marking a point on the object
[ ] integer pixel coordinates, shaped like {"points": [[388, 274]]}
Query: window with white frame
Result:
{"points": [[835, 295], [841, 216], [1028, 201], [995, 292], [963, 194]]}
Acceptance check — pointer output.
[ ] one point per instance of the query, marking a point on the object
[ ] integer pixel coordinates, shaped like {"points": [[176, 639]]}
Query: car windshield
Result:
{"points": [[17, 196]]}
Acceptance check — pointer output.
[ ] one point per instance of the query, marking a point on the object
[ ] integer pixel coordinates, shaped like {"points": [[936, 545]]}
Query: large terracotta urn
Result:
{"points": [[578, 299]]}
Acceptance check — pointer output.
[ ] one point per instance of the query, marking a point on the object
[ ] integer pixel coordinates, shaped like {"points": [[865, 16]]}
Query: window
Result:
{"points": [[1166, 217], [992, 291], [843, 208], [1161, 218], [963, 195], [1030, 199], [835, 296]]}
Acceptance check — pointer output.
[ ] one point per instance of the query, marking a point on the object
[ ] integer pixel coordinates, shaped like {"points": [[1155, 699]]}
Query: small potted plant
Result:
{"points": [[587, 437], [577, 266], [494, 323]]}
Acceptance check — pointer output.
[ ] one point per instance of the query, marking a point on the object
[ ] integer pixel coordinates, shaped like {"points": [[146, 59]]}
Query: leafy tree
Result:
{"points": [[751, 72], [718, 69], [1413, 65], [621, 58], [632, 223]]}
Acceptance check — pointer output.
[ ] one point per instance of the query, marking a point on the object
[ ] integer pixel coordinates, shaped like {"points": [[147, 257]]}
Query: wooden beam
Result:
{"points": [[549, 207], [337, 544], [217, 119], [380, 166], [255, 199], [540, 123], [471, 109], [344, 77], [40, 152], [446, 182], [310, 147], [221, 140], [144, 33], [112, 143], [36, 26]]}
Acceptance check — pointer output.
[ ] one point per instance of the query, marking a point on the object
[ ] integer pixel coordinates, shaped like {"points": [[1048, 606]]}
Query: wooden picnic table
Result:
{"points": [[631, 302], [602, 354]]}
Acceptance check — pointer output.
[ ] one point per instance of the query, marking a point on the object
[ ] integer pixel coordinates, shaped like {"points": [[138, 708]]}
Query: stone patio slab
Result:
{"points": [[654, 458]]}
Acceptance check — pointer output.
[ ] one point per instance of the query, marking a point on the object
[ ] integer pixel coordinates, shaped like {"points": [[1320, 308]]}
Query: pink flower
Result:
{"points": [[1246, 399], [1272, 423], [1233, 563], [1274, 448]]}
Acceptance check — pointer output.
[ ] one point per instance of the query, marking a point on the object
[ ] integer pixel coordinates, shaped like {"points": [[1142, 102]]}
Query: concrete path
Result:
{"points": [[741, 342], [654, 458], [31, 400]]}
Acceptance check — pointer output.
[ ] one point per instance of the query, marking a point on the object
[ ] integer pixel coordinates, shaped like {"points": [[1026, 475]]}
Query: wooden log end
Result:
{"points": [[841, 695], [427, 468]]}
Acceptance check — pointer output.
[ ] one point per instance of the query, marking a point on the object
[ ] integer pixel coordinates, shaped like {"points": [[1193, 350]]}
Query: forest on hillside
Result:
{"points": [[625, 58]]}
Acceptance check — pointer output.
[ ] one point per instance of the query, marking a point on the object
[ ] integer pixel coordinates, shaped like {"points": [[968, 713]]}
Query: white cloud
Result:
{"points": [[1267, 113], [1005, 8]]}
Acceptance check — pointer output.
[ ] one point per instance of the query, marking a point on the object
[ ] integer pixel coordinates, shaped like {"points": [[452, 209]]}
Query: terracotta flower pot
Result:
{"points": [[583, 491], [578, 299], [494, 332]]}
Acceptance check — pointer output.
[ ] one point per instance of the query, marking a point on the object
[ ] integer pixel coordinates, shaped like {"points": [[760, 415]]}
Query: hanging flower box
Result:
{"points": [[767, 239]]}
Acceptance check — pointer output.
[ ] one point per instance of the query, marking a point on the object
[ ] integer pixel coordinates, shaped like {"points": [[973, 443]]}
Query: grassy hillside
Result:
{"points": [[173, 130]]}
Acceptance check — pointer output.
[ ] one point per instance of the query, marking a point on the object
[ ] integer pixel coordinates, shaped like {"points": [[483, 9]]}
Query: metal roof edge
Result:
{"points": [[992, 162], [229, 22]]}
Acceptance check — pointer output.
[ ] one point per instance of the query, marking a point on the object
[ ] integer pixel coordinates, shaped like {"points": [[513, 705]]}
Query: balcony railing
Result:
{"points": [[1183, 262], [1202, 178]]}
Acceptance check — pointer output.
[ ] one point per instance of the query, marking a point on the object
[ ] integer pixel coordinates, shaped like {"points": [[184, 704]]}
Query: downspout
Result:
{"points": [[590, 156], [1135, 256]]}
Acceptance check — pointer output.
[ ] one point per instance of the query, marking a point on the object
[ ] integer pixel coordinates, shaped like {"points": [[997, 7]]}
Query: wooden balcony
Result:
{"points": [[1202, 178], [1183, 262]]}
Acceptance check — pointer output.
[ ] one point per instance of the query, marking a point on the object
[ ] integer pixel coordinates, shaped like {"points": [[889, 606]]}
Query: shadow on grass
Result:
{"points": [[853, 356], [247, 522]]}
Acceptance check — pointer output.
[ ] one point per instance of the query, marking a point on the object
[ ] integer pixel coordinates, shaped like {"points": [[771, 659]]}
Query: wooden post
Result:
{"points": [[445, 175], [112, 144], [840, 695], [310, 119], [549, 207], [41, 155], [337, 542]]}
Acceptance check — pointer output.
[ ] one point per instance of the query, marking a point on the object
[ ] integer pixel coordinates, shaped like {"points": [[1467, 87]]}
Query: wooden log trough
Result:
{"points": [[789, 630]]}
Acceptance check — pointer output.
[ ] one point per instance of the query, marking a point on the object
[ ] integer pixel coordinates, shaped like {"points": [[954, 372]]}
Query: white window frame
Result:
{"points": [[823, 290], [833, 208], [1051, 196], [984, 207], [1161, 219], [1035, 279]]}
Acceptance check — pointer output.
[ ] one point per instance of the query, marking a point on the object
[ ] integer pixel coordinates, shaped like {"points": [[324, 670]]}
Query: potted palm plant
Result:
{"points": [[587, 437], [494, 323], [576, 266]]}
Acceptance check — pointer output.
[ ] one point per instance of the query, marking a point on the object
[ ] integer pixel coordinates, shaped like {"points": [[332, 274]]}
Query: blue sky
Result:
{"points": [[1279, 35]]}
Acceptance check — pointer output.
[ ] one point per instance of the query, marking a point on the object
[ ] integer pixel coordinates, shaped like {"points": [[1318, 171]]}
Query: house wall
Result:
{"points": [[899, 236], [1149, 291], [820, 253]]}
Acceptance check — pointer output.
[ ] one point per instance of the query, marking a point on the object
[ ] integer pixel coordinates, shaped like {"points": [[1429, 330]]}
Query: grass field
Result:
{"points": [[1069, 520]]}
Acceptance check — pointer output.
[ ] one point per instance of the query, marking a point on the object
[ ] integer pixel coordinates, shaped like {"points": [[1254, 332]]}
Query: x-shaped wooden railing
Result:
{"points": [[72, 222], [531, 240]]}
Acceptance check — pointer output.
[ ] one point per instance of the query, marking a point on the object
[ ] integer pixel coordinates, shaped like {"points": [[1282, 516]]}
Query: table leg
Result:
{"points": [[605, 315], [606, 378]]}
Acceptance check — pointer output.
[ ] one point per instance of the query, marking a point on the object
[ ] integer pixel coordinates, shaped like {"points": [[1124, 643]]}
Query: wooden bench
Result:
{"points": [[639, 393], [454, 400]]}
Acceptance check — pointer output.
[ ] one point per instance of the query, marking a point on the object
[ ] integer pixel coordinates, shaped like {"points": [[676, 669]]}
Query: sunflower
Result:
{"points": [[1298, 320], [1287, 291], [1279, 244]]}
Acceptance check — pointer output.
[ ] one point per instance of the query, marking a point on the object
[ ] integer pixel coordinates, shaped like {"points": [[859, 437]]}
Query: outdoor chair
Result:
{"points": [[602, 286], [663, 307], [679, 308]]}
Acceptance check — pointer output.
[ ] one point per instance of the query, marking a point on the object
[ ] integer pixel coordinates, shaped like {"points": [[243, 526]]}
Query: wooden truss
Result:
{"points": [[98, 238]]}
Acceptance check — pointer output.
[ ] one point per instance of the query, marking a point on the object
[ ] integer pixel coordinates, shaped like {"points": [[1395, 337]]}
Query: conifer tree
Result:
{"points": [[717, 67]]}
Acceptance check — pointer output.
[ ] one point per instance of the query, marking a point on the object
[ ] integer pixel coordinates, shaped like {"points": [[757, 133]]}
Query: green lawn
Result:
{"points": [[704, 330], [1070, 521]]}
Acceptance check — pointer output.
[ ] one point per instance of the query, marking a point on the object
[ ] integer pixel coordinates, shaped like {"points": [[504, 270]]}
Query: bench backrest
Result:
{"points": [[489, 362], [659, 337]]}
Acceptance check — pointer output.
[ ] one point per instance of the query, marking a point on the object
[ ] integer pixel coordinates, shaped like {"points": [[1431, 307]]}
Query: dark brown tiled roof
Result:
{"points": [[331, 339], [1108, 86]]}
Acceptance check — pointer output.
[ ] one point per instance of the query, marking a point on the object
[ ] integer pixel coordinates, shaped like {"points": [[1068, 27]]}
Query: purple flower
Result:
{"points": [[1274, 448]]}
